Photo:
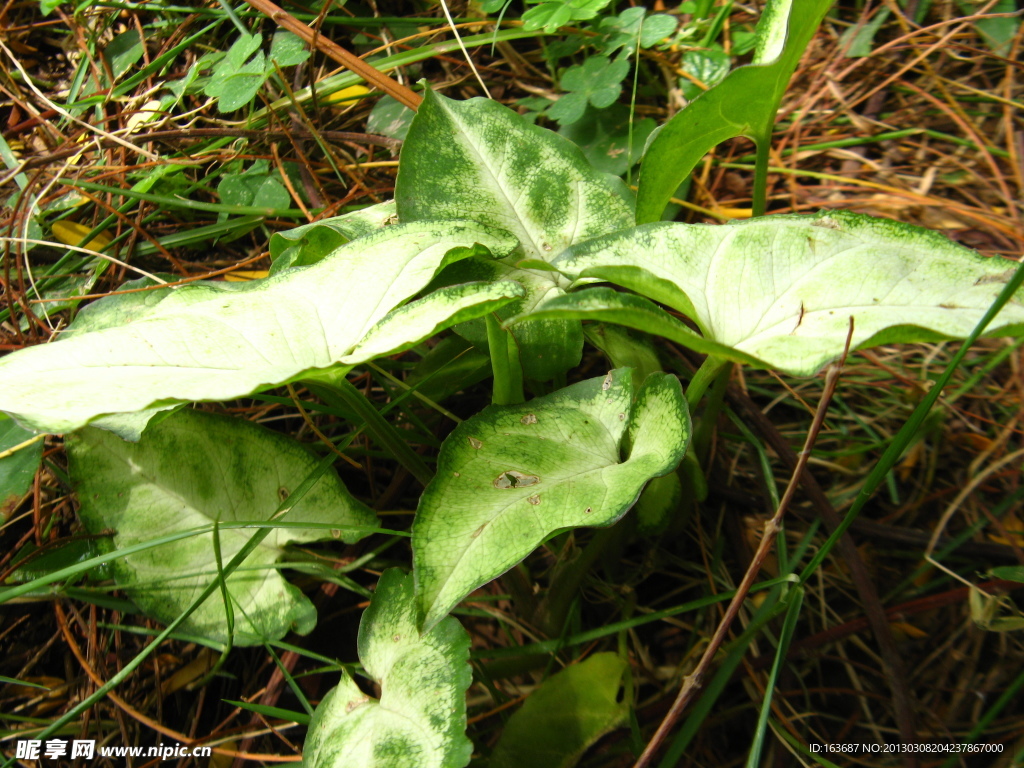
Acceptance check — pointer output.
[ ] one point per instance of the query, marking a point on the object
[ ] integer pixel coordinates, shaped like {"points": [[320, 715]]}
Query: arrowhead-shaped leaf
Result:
{"points": [[479, 160], [781, 290], [191, 470], [512, 475], [213, 342], [743, 104], [420, 719]]}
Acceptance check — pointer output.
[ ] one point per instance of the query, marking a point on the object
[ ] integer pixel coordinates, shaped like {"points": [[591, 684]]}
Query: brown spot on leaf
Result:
{"points": [[1002, 277], [530, 418], [514, 479], [355, 704], [826, 223], [9, 504], [475, 444]]}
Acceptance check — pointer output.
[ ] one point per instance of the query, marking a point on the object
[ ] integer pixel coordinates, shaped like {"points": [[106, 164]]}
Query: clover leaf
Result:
{"points": [[552, 15], [597, 81], [633, 25]]}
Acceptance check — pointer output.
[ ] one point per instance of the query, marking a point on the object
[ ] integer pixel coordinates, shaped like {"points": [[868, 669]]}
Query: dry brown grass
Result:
{"points": [[927, 129]]}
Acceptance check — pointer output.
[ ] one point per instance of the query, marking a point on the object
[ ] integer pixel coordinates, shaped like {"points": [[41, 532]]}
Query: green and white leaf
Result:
{"points": [[567, 714], [125, 306], [772, 31], [389, 118], [191, 470], [420, 719], [130, 426], [479, 160], [310, 243], [710, 67], [607, 305], [213, 342], [512, 475], [416, 321], [781, 290]]}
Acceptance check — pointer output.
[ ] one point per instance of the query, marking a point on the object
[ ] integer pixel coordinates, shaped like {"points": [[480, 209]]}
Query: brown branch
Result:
{"points": [[391, 87], [891, 534], [873, 609], [181, 738], [694, 682], [194, 133]]}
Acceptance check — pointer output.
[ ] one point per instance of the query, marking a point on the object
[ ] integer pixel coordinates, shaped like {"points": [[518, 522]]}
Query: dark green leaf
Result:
{"points": [[558, 13], [604, 137], [598, 81], [19, 469], [743, 104], [565, 715], [124, 51], [632, 26]]}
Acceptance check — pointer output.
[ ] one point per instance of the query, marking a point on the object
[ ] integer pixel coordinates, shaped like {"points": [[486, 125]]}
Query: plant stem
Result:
{"points": [[706, 425], [555, 605], [518, 584], [508, 375], [702, 378]]}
